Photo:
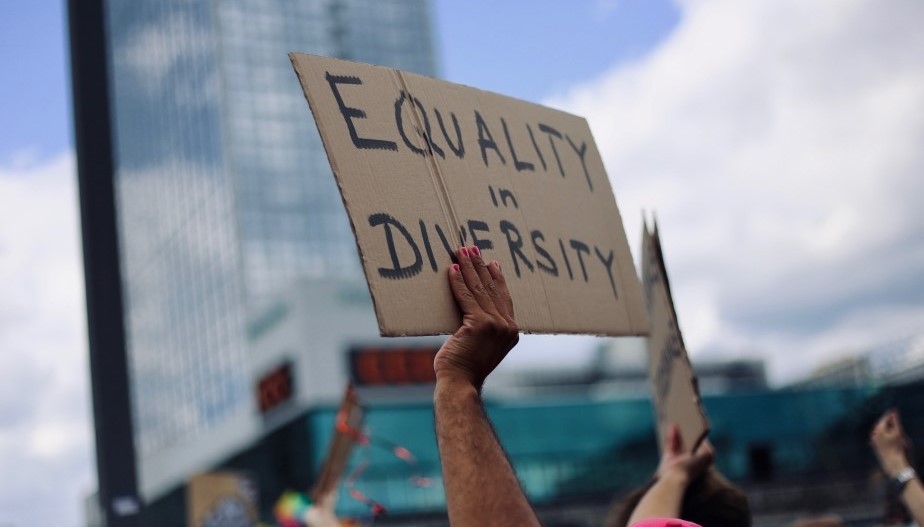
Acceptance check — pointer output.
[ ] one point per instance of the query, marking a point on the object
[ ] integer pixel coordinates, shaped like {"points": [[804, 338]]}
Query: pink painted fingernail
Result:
{"points": [[475, 250], [455, 267], [463, 251]]}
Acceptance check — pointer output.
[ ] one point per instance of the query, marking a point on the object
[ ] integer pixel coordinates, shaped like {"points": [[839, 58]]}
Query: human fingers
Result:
{"points": [[506, 301], [486, 279], [673, 443], [896, 420], [879, 427], [473, 281], [705, 446], [463, 294], [701, 461]]}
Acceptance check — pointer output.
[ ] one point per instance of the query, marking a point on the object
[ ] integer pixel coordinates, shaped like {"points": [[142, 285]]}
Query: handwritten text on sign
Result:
{"points": [[425, 166]]}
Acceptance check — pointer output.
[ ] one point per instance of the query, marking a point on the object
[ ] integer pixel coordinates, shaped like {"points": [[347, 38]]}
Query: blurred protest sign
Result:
{"points": [[346, 433], [674, 388], [221, 499], [425, 166]]}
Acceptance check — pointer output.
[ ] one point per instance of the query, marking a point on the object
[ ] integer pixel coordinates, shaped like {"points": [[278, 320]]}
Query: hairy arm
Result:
{"points": [[481, 486]]}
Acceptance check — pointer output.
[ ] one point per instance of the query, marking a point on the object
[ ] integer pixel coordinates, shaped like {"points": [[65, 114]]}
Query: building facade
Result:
{"points": [[223, 195]]}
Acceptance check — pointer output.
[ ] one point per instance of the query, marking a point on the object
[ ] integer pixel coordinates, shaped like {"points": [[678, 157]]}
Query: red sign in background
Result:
{"points": [[372, 366]]}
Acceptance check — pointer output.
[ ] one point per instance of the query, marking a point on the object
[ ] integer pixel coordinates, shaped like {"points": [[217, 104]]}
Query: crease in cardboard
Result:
{"points": [[510, 172], [433, 168], [356, 107]]}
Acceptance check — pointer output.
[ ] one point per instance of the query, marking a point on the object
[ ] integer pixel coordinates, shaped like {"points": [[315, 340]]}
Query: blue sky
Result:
{"points": [[35, 97], [526, 49], [784, 165], [531, 49]]}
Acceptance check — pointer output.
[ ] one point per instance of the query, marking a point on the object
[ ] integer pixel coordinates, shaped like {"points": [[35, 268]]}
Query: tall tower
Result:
{"points": [[221, 189]]}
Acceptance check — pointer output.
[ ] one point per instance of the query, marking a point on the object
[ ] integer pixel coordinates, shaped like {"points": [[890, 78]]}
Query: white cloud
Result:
{"points": [[45, 440], [779, 142]]}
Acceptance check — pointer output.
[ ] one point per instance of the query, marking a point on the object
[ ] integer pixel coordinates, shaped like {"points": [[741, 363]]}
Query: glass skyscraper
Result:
{"points": [[224, 193]]}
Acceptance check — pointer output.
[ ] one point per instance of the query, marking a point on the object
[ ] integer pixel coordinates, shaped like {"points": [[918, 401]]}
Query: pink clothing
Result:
{"points": [[664, 522]]}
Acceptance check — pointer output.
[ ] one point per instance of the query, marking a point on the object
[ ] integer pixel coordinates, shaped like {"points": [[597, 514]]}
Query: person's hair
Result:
{"points": [[709, 501]]}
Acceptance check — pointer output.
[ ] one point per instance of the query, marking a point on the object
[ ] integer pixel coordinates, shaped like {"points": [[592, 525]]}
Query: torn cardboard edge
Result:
{"points": [[675, 388], [415, 188]]}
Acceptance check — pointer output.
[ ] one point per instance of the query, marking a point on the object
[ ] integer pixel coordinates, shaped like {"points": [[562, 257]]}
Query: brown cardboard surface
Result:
{"points": [[341, 445], [674, 389], [208, 497], [424, 166]]}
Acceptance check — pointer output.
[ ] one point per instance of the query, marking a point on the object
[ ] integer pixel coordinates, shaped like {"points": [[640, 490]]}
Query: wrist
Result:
{"points": [[454, 384], [899, 482], [675, 478], [457, 374], [894, 463]]}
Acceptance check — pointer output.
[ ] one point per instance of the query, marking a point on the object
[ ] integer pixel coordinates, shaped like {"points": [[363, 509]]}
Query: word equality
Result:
{"points": [[529, 251], [524, 157]]}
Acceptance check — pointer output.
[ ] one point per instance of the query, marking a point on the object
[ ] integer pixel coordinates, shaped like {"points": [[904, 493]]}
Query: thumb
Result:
{"points": [[702, 459]]}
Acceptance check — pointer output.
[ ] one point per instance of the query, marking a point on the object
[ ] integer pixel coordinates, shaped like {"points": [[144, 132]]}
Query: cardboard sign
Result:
{"points": [[674, 388], [343, 438], [425, 166]]}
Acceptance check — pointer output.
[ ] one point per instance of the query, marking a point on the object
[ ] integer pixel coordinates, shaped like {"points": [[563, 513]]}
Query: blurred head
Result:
{"points": [[709, 501]]}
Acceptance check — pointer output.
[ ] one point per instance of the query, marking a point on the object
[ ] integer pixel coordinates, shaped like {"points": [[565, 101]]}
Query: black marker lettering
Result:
{"points": [[520, 165], [505, 194], [552, 267], [399, 122], [580, 247], [515, 243], [493, 197], [459, 151], [350, 113], [449, 249], [396, 272], [486, 140], [429, 132], [581, 152], [551, 132], [608, 263], [426, 242], [475, 226], [536, 147], [564, 255]]}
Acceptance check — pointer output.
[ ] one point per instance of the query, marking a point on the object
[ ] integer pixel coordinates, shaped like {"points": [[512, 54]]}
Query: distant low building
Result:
{"points": [[897, 362], [620, 368]]}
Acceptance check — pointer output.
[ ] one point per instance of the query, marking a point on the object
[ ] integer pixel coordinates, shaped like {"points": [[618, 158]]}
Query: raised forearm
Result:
{"points": [[893, 461], [481, 486], [663, 499], [913, 496]]}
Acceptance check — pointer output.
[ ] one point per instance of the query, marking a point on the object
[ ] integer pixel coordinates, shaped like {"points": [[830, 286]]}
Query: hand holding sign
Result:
{"points": [[678, 462], [488, 330]]}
